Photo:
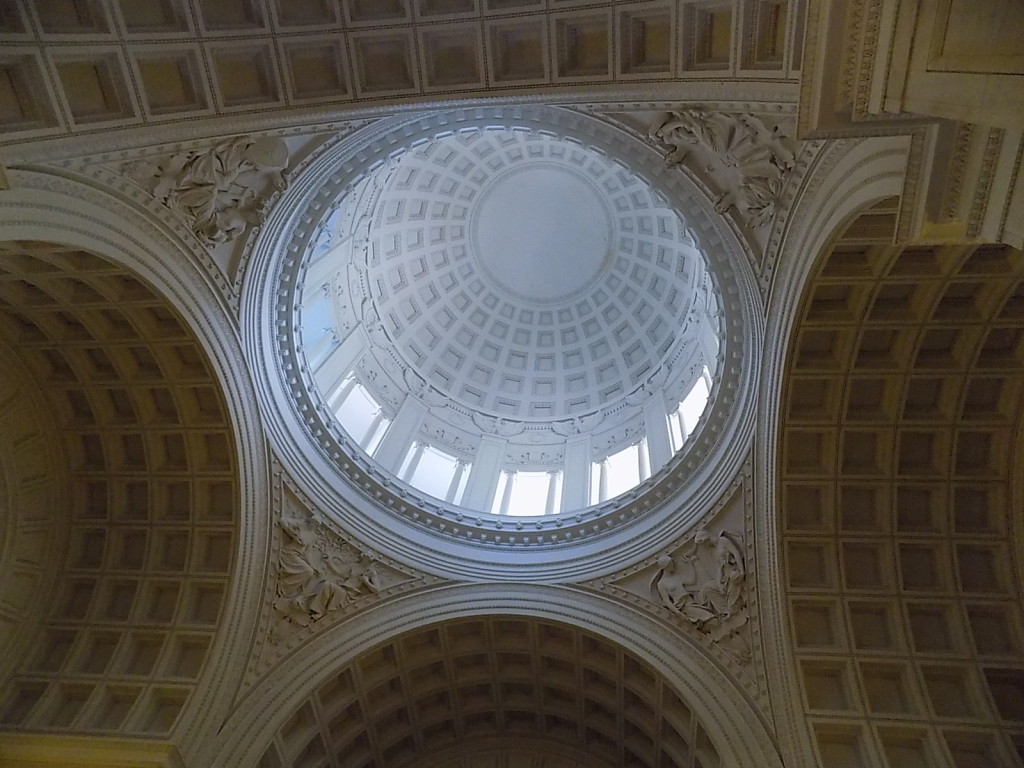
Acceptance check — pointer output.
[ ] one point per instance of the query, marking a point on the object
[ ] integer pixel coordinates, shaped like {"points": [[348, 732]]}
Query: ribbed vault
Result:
{"points": [[150, 514], [516, 691], [898, 488]]}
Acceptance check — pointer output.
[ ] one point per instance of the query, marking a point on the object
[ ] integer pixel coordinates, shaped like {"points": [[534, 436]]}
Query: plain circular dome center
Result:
{"points": [[542, 233]]}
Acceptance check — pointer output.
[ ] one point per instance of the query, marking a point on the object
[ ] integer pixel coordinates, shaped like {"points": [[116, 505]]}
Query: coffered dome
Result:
{"points": [[491, 301], [527, 276], [499, 312]]}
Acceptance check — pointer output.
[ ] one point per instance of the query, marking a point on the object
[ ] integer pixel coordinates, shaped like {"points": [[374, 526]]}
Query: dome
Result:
{"points": [[510, 320], [513, 329]]}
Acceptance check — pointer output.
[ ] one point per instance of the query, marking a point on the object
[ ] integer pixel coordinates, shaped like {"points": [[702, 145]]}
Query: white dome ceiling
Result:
{"points": [[526, 276], [376, 289]]}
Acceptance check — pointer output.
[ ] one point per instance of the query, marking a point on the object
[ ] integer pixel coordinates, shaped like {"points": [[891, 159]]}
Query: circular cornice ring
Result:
{"points": [[416, 527]]}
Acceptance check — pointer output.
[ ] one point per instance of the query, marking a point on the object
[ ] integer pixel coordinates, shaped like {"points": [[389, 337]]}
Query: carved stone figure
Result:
{"points": [[678, 588], [745, 156], [218, 191], [703, 582], [316, 575]]}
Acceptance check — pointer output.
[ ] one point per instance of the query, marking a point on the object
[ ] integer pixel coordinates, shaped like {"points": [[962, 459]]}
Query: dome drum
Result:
{"points": [[477, 377]]}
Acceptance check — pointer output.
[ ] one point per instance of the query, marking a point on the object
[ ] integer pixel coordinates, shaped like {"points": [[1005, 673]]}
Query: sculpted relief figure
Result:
{"points": [[219, 191], [316, 576], [745, 156], [703, 582], [678, 588], [689, 128]]}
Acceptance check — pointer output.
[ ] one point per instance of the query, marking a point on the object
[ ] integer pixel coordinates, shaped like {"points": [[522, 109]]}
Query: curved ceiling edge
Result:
{"points": [[875, 171]]}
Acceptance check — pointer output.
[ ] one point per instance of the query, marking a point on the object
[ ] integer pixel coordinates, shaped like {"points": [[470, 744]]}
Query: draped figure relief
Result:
{"points": [[703, 582]]}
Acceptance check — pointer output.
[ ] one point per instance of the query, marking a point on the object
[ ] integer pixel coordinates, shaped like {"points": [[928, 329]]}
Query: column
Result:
{"points": [[453, 487], [707, 340], [372, 429], [576, 477], [506, 497], [602, 480], [483, 475], [549, 504], [335, 398], [314, 353], [324, 268], [644, 471], [401, 434], [314, 294], [417, 454], [341, 360], [659, 442]]}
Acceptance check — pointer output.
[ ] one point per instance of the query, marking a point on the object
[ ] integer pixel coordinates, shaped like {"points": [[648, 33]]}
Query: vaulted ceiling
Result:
{"points": [[148, 467]]}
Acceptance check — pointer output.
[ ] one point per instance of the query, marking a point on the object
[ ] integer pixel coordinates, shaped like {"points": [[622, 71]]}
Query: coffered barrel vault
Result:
{"points": [[511, 383], [87, 66]]}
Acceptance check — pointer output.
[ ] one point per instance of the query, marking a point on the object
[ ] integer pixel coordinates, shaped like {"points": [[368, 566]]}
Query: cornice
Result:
{"points": [[334, 117], [980, 201]]}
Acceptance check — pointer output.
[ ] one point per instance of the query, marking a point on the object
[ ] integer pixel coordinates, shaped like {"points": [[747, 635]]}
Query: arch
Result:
{"points": [[732, 721], [848, 178], [898, 406], [72, 213]]}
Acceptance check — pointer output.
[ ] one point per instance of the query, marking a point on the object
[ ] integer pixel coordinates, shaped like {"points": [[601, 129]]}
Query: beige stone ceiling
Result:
{"points": [[83, 66], [900, 500], [151, 504], [555, 694]]}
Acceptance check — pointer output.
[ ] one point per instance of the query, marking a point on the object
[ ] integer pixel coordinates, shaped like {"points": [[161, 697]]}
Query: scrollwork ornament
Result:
{"points": [[219, 191], [748, 159]]}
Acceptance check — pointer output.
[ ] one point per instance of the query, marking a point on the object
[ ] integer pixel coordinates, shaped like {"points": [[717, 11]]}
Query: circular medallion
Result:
{"points": [[542, 233]]}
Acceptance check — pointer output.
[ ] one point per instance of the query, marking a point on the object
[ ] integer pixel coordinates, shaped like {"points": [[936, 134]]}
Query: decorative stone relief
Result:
{"points": [[703, 582], [577, 425], [218, 191], [318, 576], [746, 158], [319, 573], [315, 578], [462, 445]]}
